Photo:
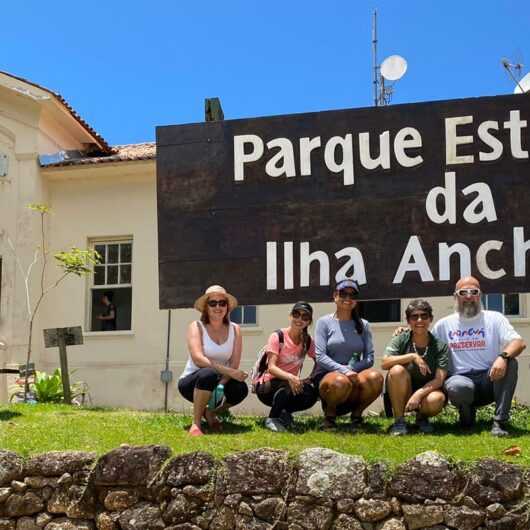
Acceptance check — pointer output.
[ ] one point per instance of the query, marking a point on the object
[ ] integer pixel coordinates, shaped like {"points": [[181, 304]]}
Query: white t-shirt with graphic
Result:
{"points": [[474, 342]]}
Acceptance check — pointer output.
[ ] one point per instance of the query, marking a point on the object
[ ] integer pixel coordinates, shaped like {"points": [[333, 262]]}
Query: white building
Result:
{"points": [[104, 197]]}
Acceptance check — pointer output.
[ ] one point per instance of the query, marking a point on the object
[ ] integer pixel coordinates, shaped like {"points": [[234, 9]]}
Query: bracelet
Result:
{"points": [[504, 355]]}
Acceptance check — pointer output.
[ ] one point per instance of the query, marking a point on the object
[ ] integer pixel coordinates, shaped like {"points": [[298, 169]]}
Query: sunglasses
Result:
{"points": [[306, 317], [416, 316], [215, 303], [468, 292], [347, 294]]}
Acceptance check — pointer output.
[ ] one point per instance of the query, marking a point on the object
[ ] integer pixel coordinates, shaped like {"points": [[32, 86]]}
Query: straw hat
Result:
{"points": [[200, 303]]}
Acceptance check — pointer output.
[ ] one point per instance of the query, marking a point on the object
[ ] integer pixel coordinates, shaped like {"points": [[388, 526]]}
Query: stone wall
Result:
{"points": [[145, 488]]}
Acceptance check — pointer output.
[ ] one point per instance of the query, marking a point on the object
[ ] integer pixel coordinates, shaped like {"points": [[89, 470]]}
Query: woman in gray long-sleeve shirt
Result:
{"points": [[344, 375]]}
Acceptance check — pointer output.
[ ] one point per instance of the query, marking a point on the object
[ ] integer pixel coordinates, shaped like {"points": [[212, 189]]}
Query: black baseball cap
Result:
{"points": [[303, 306]]}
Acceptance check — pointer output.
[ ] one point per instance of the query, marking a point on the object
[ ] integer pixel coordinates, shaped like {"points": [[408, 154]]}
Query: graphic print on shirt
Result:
{"points": [[471, 338]]}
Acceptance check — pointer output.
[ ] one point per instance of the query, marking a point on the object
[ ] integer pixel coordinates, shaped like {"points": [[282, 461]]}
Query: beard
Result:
{"points": [[469, 309]]}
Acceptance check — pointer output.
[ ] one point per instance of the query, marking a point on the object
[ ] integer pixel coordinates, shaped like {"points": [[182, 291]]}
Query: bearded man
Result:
{"points": [[483, 366]]}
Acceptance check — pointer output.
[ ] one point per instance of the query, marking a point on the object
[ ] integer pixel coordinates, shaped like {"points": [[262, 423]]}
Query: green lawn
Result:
{"points": [[31, 429]]}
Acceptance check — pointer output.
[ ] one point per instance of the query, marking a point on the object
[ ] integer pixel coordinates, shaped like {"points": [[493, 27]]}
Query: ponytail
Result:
{"points": [[356, 317], [305, 341]]}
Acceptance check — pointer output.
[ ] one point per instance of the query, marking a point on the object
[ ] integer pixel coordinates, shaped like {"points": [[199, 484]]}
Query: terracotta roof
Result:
{"points": [[104, 146], [120, 153]]}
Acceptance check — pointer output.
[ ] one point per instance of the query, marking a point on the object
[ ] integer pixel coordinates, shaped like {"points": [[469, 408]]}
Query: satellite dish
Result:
{"points": [[523, 85], [393, 67]]}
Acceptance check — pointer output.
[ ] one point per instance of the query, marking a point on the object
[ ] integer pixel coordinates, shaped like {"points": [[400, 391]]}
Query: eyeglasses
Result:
{"points": [[467, 292], [347, 294], [306, 317], [215, 303], [417, 316]]}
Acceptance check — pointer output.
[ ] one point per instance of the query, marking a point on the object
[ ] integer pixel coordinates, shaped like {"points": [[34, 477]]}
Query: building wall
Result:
{"points": [[123, 368], [107, 201]]}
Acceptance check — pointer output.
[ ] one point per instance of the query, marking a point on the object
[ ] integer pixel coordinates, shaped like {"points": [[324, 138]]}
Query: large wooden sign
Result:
{"points": [[405, 199]]}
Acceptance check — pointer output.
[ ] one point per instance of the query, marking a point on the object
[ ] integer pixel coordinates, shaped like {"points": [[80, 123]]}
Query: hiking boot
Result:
{"points": [[356, 422], [467, 415], [399, 428], [287, 419], [275, 425], [499, 429], [329, 423], [424, 425]]}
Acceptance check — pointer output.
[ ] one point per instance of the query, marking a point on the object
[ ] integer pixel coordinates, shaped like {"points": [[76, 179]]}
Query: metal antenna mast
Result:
{"points": [[374, 56]]}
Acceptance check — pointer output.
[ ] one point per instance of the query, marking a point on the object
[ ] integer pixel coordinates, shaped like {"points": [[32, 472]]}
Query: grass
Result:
{"points": [[31, 429]]}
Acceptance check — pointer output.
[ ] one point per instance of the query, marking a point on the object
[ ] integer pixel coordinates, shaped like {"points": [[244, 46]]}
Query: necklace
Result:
{"points": [[416, 350]]}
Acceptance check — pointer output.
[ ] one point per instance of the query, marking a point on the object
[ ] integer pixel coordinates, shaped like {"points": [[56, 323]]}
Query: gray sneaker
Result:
{"points": [[399, 428], [275, 425], [467, 415], [424, 425], [499, 429]]}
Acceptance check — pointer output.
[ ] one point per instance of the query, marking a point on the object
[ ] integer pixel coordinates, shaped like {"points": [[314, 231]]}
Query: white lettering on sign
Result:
{"points": [[353, 267], [452, 139], [338, 153]]}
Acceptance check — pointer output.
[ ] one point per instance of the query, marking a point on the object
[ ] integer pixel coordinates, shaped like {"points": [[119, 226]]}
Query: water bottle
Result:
{"points": [[216, 397], [354, 358]]}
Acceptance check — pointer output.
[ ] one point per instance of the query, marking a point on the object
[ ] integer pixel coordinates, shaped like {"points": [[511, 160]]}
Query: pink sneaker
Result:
{"points": [[195, 431]]}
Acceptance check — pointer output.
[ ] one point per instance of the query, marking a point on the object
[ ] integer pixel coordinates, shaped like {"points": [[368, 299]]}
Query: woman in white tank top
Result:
{"points": [[214, 344]]}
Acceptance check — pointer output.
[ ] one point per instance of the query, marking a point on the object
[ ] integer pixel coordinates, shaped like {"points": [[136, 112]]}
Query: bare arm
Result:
{"points": [[392, 360], [515, 348], [432, 385], [294, 382], [499, 366]]}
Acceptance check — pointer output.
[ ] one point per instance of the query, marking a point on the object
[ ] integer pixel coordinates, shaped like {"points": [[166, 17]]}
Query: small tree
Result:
{"points": [[76, 261]]}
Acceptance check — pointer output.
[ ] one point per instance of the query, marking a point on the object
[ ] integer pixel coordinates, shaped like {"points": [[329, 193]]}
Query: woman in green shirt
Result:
{"points": [[417, 367]]}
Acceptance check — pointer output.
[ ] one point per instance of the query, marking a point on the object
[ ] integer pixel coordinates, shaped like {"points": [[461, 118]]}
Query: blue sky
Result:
{"points": [[127, 66]]}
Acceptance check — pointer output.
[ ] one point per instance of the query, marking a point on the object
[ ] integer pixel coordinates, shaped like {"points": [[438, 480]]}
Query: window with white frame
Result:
{"points": [[507, 304], [245, 315], [111, 286]]}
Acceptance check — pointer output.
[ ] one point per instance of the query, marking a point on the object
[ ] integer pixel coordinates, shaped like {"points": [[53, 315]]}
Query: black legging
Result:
{"points": [[207, 379], [277, 394]]}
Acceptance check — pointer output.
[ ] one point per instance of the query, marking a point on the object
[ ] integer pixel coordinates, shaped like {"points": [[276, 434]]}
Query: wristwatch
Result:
{"points": [[504, 355]]}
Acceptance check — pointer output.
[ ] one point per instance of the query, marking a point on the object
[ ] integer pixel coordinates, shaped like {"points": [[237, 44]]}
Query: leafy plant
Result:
{"points": [[48, 388]]}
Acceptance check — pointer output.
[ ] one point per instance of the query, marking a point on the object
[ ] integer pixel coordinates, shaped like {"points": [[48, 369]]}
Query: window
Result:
{"points": [[508, 304], [112, 280], [381, 310], [246, 315]]}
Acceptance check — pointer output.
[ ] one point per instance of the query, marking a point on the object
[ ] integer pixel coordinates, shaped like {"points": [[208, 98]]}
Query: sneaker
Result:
{"points": [[287, 419], [329, 423], [467, 415], [424, 425], [499, 429], [275, 425], [399, 428]]}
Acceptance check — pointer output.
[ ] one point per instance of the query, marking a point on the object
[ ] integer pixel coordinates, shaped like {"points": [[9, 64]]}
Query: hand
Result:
{"points": [[498, 369], [352, 376], [399, 330], [422, 365], [413, 403], [295, 384], [238, 375]]}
